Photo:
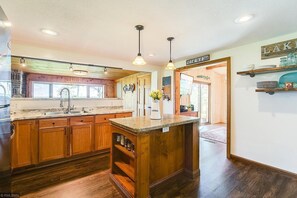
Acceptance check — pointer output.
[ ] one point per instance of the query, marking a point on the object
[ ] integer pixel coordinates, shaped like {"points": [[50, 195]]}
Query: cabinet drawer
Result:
{"points": [[81, 120], [123, 115], [55, 122], [104, 118]]}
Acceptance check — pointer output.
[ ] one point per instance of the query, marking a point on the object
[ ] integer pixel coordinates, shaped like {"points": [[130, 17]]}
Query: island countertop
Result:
{"points": [[145, 124]]}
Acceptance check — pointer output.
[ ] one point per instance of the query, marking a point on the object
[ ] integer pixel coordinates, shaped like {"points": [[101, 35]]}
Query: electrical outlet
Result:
{"points": [[165, 129]]}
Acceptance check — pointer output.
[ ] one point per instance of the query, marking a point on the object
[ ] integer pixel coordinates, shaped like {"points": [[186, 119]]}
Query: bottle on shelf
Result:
{"points": [[122, 140], [119, 139]]}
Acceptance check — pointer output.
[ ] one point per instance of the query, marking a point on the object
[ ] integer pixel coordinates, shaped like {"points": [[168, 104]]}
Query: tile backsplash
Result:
{"points": [[19, 104]]}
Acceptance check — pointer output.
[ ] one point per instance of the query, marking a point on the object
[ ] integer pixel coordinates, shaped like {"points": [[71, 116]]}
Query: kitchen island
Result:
{"points": [[148, 152]]}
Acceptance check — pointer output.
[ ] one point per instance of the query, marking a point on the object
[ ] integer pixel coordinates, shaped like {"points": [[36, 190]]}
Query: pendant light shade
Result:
{"points": [[139, 60], [170, 65]]}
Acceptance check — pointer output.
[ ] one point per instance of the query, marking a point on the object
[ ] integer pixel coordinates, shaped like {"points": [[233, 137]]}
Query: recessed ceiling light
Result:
{"points": [[151, 54], [244, 19], [49, 32]]}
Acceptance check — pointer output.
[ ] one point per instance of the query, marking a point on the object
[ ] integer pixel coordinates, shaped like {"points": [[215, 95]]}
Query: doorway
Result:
{"points": [[143, 92], [209, 107], [200, 99]]}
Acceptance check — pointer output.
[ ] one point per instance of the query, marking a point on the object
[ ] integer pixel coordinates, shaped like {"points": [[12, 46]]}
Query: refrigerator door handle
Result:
{"points": [[4, 106]]}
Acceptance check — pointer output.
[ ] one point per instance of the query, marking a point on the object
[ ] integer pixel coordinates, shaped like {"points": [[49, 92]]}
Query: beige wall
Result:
{"points": [[218, 93], [129, 98]]}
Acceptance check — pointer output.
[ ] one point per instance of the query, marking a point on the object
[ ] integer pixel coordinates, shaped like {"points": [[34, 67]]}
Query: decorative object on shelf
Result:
{"points": [[170, 65], [166, 87], [283, 62], [250, 67], [265, 66], [139, 60], [289, 85], [290, 77], [278, 49], [155, 111], [267, 84], [203, 77], [199, 59], [129, 87]]}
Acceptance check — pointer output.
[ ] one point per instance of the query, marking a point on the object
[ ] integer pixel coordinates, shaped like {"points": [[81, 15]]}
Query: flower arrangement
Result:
{"points": [[156, 95]]}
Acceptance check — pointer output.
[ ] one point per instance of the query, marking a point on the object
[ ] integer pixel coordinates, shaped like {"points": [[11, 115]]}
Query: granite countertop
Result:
{"points": [[40, 114], [145, 124]]}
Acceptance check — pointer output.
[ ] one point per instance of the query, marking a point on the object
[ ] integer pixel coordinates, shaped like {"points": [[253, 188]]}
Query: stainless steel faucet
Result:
{"points": [[4, 90], [61, 99]]}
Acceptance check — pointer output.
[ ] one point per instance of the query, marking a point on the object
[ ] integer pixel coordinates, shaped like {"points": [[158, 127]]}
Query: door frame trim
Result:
{"points": [[177, 93]]}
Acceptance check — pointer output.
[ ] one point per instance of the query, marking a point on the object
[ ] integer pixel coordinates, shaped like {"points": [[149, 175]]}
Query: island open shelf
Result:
{"points": [[155, 156]]}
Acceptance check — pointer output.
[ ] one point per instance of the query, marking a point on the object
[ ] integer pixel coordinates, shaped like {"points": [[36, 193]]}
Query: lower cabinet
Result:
{"points": [[102, 136], [24, 143], [81, 139], [52, 144]]}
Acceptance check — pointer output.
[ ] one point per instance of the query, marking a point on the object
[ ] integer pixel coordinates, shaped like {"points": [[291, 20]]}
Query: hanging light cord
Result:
{"points": [[170, 52], [139, 43]]}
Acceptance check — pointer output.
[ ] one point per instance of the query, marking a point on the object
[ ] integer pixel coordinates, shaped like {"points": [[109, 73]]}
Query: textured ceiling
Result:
{"points": [[106, 27]]}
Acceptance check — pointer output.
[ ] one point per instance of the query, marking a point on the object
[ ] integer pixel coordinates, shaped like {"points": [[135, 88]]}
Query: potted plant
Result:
{"points": [[155, 111]]}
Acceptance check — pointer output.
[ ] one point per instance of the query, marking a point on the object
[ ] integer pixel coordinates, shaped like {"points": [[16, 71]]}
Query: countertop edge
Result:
{"points": [[147, 129], [68, 115]]}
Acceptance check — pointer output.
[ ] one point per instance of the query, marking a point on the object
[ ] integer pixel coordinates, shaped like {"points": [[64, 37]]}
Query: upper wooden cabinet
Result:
{"points": [[24, 143]]}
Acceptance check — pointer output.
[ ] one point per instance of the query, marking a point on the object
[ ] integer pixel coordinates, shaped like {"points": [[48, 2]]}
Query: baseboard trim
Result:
{"points": [[288, 173]]}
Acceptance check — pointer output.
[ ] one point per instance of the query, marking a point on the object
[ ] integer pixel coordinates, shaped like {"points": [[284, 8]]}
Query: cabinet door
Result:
{"points": [[52, 144], [81, 139], [24, 144], [102, 136]]}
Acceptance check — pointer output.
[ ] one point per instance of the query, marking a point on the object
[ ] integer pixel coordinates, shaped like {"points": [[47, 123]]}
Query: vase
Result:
{"points": [[155, 111]]}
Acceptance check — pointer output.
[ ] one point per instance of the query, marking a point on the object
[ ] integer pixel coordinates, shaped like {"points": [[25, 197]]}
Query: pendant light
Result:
{"points": [[105, 70], [139, 60], [170, 65]]}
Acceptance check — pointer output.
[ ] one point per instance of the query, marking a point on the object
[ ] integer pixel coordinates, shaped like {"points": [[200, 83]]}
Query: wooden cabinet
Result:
{"points": [[123, 115], [52, 143], [53, 138], [24, 143], [102, 136], [81, 134]]}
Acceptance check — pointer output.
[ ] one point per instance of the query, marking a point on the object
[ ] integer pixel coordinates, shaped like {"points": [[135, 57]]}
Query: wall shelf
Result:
{"points": [[254, 72], [272, 91]]}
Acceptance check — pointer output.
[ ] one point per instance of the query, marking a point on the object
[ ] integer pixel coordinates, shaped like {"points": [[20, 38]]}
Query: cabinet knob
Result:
{"points": [[104, 118], [53, 123], [82, 120]]}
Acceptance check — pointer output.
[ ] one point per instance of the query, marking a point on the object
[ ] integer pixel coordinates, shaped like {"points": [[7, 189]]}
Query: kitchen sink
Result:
{"points": [[61, 112]]}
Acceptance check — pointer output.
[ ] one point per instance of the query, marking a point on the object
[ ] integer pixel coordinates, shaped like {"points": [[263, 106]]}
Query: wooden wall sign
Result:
{"points": [[130, 87], [199, 59], [278, 49]]}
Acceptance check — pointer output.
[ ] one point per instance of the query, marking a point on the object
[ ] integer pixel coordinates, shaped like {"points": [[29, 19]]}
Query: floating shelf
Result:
{"points": [[125, 151], [126, 168], [252, 73], [272, 91]]}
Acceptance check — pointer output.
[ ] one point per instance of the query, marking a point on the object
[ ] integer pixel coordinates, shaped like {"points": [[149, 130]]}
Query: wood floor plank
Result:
{"points": [[219, 178]]}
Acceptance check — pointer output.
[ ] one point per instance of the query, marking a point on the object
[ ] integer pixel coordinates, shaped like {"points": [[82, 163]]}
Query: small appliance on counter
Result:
{"points": [[183, 108]]}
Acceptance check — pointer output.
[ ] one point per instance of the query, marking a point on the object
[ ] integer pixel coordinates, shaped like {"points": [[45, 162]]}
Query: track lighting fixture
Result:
{"points": [[70, 67], [23, 62], [105, 70]]}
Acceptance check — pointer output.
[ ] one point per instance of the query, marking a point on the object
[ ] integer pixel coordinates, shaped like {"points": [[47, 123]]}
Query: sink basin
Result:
{"points": [[62, 112], [53, 112]]}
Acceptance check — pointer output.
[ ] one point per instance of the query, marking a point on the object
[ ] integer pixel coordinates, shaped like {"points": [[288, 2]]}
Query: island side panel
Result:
{"points": [[142, 165], [192, 150], [167, 152]]}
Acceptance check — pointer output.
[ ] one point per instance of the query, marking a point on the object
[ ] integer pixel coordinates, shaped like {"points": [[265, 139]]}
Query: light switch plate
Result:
{"points": [[165, 129]]}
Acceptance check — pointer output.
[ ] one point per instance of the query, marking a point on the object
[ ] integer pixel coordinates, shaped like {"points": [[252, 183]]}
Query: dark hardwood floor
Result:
{"points": [[219, 178]]}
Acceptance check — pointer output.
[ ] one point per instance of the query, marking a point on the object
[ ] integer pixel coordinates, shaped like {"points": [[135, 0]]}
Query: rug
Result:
{"points": [[215, 132]]}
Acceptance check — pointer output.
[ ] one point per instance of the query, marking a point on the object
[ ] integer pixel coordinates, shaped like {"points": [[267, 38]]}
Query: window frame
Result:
{"points": [[51, 86]]}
